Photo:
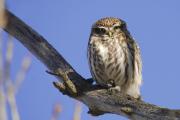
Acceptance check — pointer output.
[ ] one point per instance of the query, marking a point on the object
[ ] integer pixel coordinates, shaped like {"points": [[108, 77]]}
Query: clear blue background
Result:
{"points": [[155, 24]]}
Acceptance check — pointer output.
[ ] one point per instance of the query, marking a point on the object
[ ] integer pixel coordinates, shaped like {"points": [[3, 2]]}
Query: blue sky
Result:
{"points": [[66, 25]]}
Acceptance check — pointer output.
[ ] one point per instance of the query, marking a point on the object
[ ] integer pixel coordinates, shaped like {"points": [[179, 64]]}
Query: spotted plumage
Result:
{"points": [[107, 22], [114, 57]]}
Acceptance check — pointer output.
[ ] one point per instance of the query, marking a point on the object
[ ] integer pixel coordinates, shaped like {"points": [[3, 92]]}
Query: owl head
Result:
{"points": [[109, 27]]}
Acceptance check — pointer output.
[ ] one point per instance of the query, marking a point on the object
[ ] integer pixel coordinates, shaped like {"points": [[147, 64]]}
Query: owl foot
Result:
{"points": [[127, 110], [113, 90]]}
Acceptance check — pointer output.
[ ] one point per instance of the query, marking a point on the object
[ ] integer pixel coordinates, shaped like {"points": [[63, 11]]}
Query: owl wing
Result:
{"points": [[137, 64], [136, 60]]}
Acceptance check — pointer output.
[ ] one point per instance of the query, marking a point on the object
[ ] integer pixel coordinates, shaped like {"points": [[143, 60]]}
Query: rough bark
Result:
{"points": [[98, 99]]}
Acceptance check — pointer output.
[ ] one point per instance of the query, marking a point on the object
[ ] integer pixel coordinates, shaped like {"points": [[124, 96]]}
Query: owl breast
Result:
{"points": [[108, 62]]}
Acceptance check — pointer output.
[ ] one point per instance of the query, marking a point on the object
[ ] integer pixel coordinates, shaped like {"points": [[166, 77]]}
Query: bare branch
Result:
{"points": [[98, 100]]}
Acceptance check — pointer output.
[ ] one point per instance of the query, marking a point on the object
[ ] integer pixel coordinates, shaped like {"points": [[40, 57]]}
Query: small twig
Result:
{"points": [[8, 58], [3, 20], [12, 102], [77, 111], [3, 113], [8, 82], [25, 65], [1, 60], [56, 111]]}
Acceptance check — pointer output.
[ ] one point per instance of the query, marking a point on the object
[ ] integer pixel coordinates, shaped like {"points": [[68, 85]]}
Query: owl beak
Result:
{"points": [[110, 34]]}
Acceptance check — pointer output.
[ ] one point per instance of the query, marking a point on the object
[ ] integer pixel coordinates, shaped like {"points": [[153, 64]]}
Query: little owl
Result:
{"points": [[114, 56]]}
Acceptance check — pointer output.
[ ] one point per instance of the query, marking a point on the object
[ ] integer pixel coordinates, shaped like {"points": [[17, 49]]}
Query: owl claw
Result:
{"points": [[115, 89]]}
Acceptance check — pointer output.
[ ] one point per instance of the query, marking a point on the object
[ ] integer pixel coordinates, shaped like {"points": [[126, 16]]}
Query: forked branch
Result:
{"points": [[98, 100]]}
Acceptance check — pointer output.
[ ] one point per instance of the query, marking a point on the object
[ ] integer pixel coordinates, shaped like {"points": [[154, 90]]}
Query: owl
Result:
{"points": [[114, 56]]}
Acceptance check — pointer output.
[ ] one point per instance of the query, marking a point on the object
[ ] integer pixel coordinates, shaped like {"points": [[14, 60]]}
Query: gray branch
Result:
{"points": [[98, 99]]}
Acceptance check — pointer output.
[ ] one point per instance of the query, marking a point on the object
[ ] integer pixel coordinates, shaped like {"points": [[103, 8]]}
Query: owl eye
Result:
{"points": [[99, 30], [121, 27], [117, 27]]}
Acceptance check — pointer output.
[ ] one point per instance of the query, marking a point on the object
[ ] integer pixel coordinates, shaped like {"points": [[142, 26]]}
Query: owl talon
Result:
{"points": [[113, 90], [127, 110]]}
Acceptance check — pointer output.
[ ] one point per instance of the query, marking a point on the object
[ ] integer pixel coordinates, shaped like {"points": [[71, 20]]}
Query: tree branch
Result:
{"points": [[98, 100]]}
